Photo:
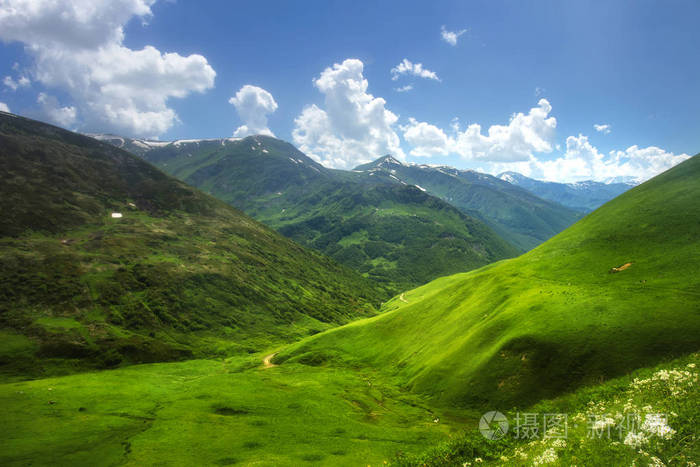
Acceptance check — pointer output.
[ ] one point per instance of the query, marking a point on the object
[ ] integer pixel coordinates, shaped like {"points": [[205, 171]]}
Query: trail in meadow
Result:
{"points": [[267, 361]]}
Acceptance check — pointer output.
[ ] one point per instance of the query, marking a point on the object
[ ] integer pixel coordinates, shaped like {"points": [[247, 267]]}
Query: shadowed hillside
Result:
{"points": [[179, 274]]}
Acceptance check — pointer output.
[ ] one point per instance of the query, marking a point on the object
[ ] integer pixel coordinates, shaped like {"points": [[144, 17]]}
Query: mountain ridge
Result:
{"points": [[519, 216], [106, 260], [393, 233], [584, 196]]}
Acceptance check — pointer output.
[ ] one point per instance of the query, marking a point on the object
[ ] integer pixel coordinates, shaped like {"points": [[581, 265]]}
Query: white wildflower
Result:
{"points": [[520, 453], [655, 424], [549, 456], [559, 443], [635, 440]]}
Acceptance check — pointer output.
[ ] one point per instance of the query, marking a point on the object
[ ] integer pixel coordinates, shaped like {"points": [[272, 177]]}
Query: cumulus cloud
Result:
{"points": [[353, 127], [406, 67], [77, 47], [524, 135], [253, 105], [53, 112], [427, 140], [583, 161], [602, 128], [14, 84], [451, 37], [643, 163], [520, 145], [4, 107]]}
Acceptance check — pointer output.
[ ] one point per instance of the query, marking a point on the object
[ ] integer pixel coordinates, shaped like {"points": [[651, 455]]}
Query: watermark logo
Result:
{"points": [[493, 425]]}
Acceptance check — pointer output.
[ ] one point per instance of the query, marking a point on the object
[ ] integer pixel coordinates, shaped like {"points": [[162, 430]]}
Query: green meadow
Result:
{"points": [[217, 412]]}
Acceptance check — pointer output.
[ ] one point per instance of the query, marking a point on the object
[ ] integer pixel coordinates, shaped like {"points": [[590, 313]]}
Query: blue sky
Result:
{"points": [[631, 65]]}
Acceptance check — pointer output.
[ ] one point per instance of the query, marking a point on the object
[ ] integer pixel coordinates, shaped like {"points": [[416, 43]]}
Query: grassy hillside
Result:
{"points": [[649, 418], [557, 317], [517, 215], [180, 274], [395, 234]]}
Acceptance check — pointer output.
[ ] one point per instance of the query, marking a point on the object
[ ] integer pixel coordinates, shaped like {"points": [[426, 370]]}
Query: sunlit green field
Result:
{"points": [[206, 412], [558, 317]]}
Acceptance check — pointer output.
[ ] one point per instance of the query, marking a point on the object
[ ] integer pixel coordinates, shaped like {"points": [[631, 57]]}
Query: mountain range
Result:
{"points": [[517, 215], [583, 196], [394, 233], [345, 213]]}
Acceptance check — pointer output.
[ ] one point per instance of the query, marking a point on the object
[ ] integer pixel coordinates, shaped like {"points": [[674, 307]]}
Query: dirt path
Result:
{"points": [[403, 299], [267, 361], [621, 268]]}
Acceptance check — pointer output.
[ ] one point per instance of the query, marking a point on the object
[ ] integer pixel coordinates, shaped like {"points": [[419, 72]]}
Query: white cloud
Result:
{"points": [[519, 146], [602, 128], [406, 88], [74, 24], [21, 82], [4, 107], [583, 161], [524, 135], [643, 163], [253, 105], [354, 127], [53, 112], [77, 47], [451, 37], [427, 140], [406, 67]]}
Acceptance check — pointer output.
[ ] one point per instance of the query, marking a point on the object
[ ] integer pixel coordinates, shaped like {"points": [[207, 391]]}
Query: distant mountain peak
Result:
{"points": [[511, 177], [585, 195], [382, 162]]}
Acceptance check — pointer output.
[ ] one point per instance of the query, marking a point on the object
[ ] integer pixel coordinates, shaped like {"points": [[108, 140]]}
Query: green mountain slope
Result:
{"points": [[180, 274], [391, 232], [517, 215], [557, 317]]}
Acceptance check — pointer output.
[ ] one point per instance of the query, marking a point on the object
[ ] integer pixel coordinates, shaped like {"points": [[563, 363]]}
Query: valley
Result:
{"points": [[184, 331], [349, 234]]}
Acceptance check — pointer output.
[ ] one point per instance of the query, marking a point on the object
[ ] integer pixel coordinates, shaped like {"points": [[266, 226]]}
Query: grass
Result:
{"points": [[659, 406], [209, 412], [530, 328]]}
